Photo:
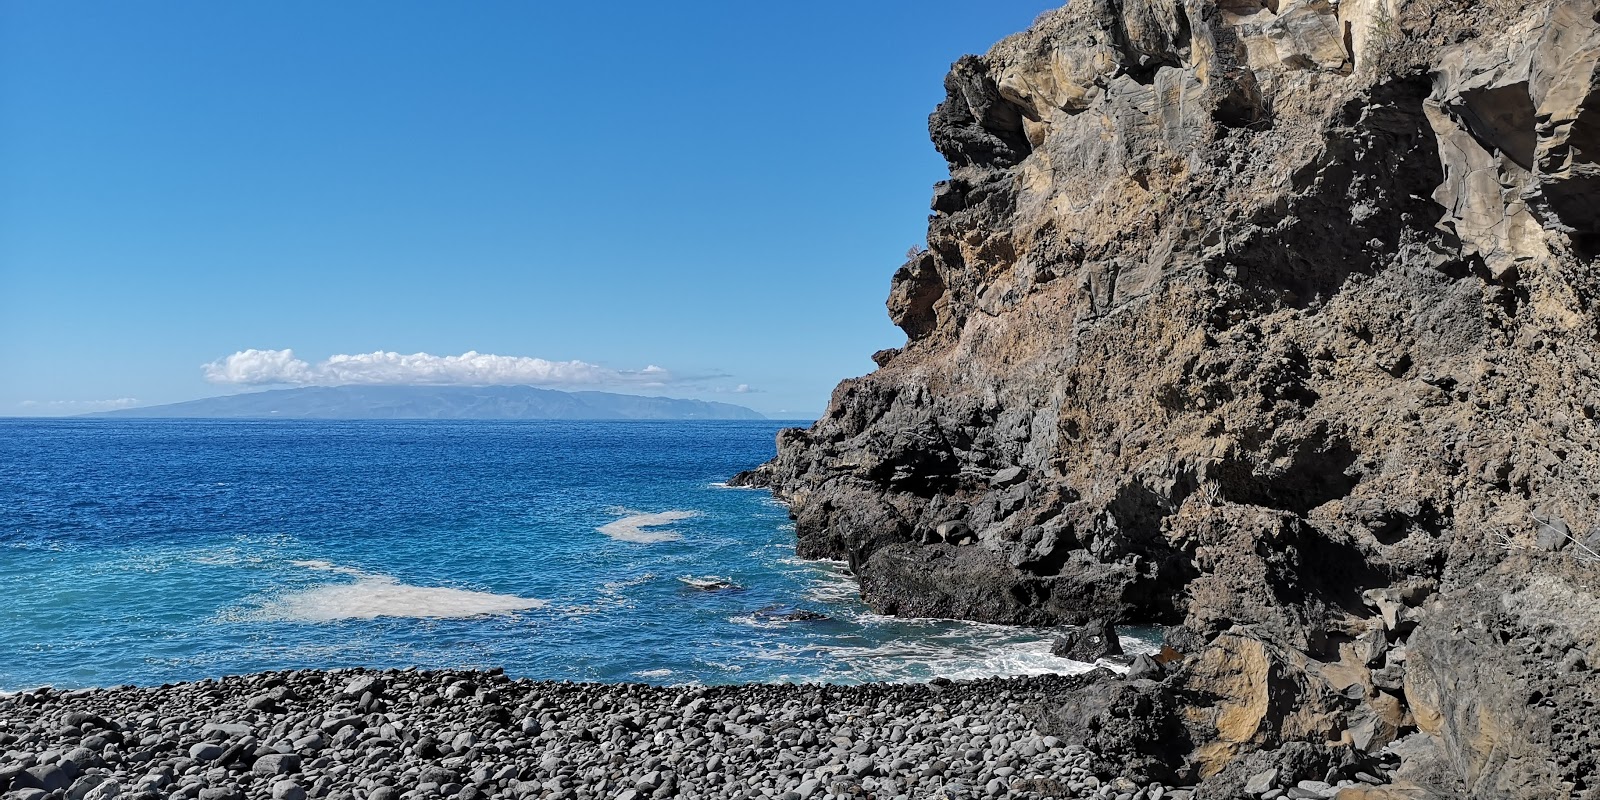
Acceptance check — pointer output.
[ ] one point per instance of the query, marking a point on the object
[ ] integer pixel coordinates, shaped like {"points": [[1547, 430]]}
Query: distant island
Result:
{"points": [[436, 402]]}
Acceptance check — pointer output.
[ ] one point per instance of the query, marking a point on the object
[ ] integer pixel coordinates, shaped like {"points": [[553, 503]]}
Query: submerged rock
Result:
{"points": [[789, 614], [711, 584]]}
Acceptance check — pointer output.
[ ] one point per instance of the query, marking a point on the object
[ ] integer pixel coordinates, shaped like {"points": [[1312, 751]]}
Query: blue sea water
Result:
{"points": [[155, 551]]}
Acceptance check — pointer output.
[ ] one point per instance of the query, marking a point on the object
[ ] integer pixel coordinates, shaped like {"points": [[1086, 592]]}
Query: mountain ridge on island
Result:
{"points": [[438, 402]]}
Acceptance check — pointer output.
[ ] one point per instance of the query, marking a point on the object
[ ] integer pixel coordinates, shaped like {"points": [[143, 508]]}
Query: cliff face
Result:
{"points": [[1272, 321]]}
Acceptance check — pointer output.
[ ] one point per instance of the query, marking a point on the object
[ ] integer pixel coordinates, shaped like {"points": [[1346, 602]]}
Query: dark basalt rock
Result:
{"points": [[1133, 728], [1274, 326], [788, 614], [1144, 668], [1088, 643], [710, 583]]}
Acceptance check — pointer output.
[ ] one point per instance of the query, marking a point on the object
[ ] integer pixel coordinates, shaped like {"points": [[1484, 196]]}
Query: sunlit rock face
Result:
{"points": [[1272, 322]]}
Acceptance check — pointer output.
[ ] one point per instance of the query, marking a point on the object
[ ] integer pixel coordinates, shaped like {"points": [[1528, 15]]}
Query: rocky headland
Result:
{"points": [[1272, 322], [1267, 321]]}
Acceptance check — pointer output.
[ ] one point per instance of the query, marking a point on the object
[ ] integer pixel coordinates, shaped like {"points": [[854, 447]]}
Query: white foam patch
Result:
{"points": [[1134, 645], [227, 557], [752, 621], [910, 660], [834, 587], [834, 594], [632, 527], [613, 597], [614, 587], [650, 674], [927, 648], [724, 485], [328, 566], [373, 596]]}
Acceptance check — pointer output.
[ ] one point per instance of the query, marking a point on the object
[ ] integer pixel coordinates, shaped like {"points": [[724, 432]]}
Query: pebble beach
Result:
{"points": [[367, 735]]}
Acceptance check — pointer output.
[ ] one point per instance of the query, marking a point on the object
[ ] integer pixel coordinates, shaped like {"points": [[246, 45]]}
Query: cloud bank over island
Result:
{"points": [[282, 368]]}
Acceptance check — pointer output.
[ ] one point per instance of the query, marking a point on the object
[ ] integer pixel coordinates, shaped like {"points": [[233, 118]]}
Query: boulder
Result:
{"points": [[44, 777], [1262, 782], [206, 751], [363, 684], [1144, 668], [1087, 643], [276, 764]]}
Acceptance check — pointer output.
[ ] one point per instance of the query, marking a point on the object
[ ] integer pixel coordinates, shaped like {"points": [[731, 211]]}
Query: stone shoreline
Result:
{"points": [[370, 735], [408, 734]]}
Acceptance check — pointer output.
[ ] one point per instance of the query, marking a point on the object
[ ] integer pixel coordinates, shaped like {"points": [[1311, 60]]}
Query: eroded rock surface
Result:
{"points": [[1272, 322]]}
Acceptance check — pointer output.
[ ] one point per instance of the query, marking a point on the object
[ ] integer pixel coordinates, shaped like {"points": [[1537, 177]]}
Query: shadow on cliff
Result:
{"points": [[1352, 207]]}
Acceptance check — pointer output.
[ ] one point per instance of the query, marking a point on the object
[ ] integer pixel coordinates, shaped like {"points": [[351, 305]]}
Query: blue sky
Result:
{"points": [[716, 190]]}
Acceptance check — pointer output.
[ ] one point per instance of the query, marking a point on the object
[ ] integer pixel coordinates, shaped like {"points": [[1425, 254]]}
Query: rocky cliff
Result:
{"points": [[1273, 322]]}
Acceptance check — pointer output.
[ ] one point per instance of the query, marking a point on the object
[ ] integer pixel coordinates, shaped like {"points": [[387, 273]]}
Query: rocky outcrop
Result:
{"points": [[1272, 322]]}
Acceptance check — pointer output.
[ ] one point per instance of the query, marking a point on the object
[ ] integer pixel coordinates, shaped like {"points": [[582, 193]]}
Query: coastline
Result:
{"points": [[452, 733]]}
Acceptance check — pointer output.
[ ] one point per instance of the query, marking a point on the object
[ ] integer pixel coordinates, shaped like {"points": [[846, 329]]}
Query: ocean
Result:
{"points": [[155, 551]]}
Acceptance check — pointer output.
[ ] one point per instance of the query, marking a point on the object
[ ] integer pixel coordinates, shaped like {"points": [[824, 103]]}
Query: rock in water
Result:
{"points": [[789, 614], [1231, 315], [1087, 643], [711, 584]]}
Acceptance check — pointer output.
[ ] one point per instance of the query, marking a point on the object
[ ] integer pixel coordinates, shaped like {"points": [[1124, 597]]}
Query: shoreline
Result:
{"points": [[1132, 645], [380, 735]]}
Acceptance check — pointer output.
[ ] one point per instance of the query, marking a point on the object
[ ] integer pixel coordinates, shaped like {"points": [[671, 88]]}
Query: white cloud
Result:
{"points": [[281, 367], [256, 367]]}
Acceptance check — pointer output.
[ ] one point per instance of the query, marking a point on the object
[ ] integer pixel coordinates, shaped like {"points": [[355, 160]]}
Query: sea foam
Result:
{"points": [[372, 596], [632, 527]]}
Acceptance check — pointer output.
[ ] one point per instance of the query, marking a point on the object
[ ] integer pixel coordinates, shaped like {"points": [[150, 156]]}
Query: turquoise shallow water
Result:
{"points": [[155, 551]]}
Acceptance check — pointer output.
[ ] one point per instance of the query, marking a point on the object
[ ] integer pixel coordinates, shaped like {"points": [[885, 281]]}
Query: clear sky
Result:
{"points": [[695, 199]]}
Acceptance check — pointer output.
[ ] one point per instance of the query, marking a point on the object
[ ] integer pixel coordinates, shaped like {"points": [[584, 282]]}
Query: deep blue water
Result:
{"points": [[153, 551]]}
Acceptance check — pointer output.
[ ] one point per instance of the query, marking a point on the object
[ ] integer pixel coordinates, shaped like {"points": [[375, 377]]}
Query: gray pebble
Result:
{"points": [[288, 790], [471, 735], [276, 764], [206, 751]]}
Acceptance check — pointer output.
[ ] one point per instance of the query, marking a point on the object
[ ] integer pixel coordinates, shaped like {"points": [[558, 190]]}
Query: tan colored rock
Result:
{"points": [[1257, 696], [1286, 312], [1393, 792]]}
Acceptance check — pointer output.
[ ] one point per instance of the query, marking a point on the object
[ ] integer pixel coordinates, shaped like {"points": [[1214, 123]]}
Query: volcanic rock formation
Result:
{"points": [[1271, 321]]}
